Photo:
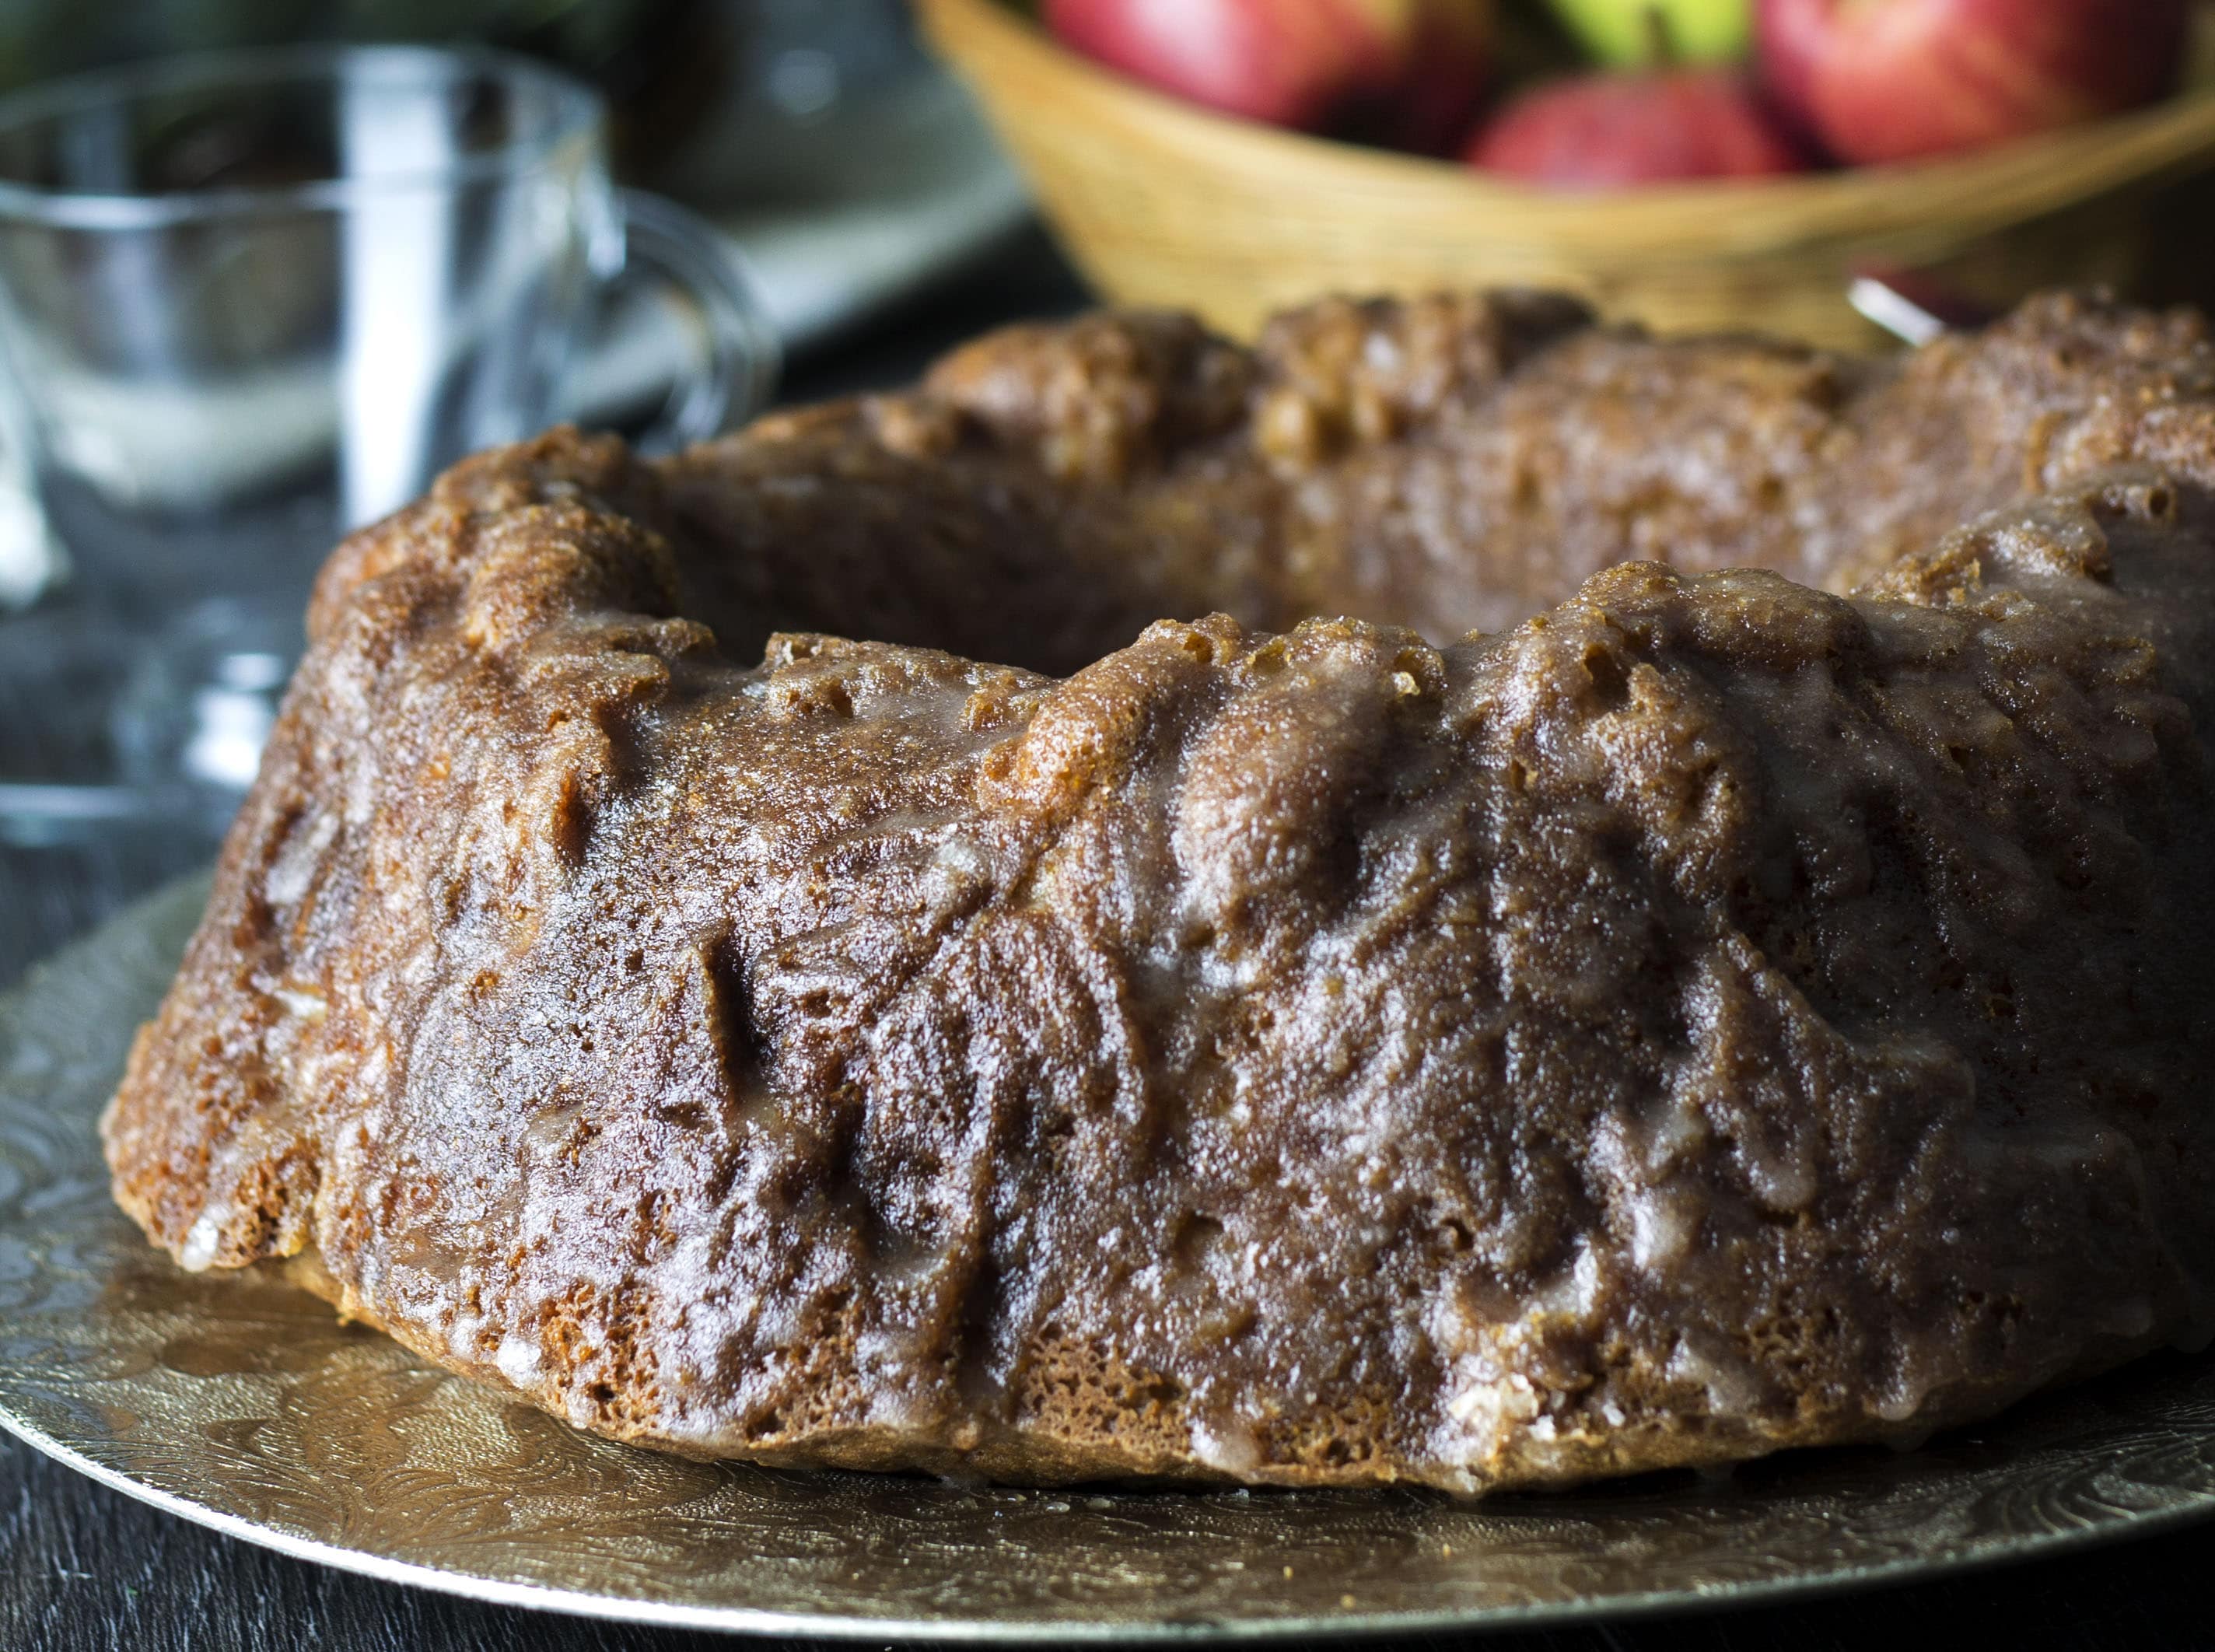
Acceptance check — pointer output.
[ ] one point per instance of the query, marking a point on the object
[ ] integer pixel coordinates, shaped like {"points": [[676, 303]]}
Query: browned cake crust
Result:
{"points": [[1443, 464], [1710, 1016]]}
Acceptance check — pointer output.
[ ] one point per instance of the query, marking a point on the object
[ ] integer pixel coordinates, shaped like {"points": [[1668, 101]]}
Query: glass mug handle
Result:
{"points": [[667, 245]]}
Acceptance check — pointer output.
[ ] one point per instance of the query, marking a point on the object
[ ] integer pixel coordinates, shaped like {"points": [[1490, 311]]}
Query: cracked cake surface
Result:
{"points": [[662, 971]]}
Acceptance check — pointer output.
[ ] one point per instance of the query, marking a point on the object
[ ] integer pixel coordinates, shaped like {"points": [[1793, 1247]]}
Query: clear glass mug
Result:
{"points": [[251, 300]]}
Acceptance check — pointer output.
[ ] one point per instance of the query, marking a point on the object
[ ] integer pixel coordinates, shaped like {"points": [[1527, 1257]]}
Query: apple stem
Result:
{"points": [[1661, 38]]}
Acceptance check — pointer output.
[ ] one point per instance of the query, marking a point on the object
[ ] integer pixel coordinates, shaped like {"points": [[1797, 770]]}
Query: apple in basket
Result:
{"points": [[1406, 72], [1620, 130], [1891, 80], [1621, 33]]}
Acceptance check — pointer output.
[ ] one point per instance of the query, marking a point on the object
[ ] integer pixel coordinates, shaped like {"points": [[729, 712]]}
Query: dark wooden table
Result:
{"points": [[84, 1567]]}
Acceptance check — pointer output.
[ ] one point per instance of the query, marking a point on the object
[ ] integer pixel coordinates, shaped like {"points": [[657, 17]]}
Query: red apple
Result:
{"points": [[1890, 80], [1617, 130], [1406, 71]]}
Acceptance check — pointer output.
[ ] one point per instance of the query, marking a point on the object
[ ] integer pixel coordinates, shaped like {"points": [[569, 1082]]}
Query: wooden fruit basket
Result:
{"points": [[1161, 203]]}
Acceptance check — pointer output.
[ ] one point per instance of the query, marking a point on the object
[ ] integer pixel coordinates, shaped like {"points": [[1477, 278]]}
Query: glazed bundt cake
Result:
{"points": [[1706, 1015]]}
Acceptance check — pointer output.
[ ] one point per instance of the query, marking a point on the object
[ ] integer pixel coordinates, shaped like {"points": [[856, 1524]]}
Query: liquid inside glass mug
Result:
{"points": [[249, 301]]}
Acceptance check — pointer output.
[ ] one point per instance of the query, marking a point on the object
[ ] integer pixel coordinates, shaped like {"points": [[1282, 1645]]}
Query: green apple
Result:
{"points": [[1635, 33]]}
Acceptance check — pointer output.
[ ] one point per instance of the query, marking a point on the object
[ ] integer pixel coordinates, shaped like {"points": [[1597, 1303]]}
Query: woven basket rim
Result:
{"points": [[1014, 61]]}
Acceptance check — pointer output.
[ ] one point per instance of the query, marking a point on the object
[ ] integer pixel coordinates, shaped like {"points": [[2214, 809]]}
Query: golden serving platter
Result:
{"points": [[238, 1402]]}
